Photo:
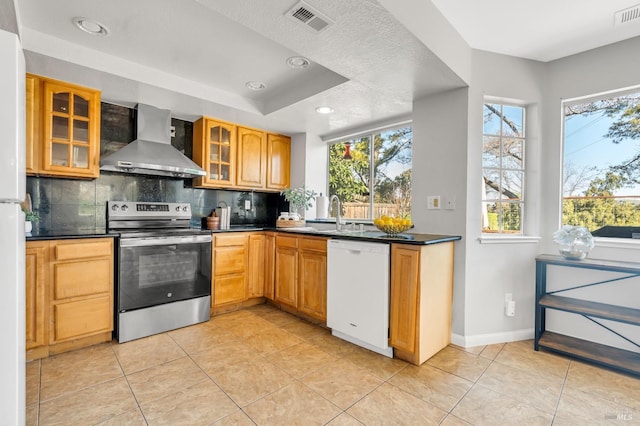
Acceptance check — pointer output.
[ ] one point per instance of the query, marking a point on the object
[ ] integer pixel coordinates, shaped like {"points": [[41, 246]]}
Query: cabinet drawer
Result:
{"points": [[286, 241], [316, 244], [83, 249], [81, 278], [229, 289], [229, 260], [230, 240], [83, 317]]}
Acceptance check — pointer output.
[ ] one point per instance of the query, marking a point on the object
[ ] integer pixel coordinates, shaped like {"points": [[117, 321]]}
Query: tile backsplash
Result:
{"points": [[69, 204]]}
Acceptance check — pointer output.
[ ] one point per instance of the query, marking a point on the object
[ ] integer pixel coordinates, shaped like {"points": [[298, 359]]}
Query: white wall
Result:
{"points": [[440, 168], [309, 165]]}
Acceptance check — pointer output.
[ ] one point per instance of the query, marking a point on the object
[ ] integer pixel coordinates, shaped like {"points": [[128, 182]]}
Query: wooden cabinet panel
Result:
{"points": [[229, 240], [252, 157], [73, 279], [229, 289], [33, 121], [214, 149], [37, 259], [278, 161], [404, 297], [286, 271], [269, 267], [256, 272], [229, 260], [82, 249], [82, 317], [313, 282]]}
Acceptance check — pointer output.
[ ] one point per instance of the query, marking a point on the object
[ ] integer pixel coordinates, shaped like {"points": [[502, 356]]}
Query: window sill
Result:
{"points": [[508, 239], [626, 243]]}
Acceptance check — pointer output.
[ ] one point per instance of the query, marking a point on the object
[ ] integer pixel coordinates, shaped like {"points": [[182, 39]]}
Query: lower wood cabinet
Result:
{"points": [[229, 278], [301, 274], [421, 300], [257, 265], [69, 294], [269, 265]]}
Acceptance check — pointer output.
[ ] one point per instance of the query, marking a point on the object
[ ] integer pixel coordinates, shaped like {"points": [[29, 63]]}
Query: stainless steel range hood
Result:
{"points": [[152, 153]]}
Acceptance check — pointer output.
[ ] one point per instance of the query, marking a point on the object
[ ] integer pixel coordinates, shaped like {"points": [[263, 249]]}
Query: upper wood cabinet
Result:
{"points": [[252, 158], [214, 149], [238, 157], [62, 129], [278, 161]]}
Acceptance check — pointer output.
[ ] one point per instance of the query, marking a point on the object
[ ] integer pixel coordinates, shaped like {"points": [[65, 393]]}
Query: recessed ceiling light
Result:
{"points": [[90, 26], [256, 85], [298, 62], [324, 110]]}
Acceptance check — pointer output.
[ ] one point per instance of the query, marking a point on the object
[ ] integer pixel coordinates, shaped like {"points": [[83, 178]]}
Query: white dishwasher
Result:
{"points": [[358, 293]]}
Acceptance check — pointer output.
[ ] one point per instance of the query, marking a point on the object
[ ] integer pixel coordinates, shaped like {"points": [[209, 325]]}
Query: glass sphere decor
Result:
{"points": [[575, 241]]}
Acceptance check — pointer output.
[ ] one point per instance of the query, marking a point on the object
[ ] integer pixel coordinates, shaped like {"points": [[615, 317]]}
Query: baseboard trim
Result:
{"points": [[491, 338]]}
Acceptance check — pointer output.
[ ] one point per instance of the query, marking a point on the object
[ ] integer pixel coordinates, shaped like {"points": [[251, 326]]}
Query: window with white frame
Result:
{"points": [[503, 168], [601, 164], [371, 173]]}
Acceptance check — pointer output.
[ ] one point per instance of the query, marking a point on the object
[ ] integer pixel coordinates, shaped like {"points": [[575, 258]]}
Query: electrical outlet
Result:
{"points": [[450, 202], [433, 202], [247, 204], [509, 305]]}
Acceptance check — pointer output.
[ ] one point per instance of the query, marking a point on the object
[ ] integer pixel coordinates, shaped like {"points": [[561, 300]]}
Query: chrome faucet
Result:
{"points": [[338, 221]]}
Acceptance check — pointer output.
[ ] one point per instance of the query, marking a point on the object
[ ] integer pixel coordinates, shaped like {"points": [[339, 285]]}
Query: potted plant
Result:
{"points": [[29, 218], [299, 199], [575, 241]]}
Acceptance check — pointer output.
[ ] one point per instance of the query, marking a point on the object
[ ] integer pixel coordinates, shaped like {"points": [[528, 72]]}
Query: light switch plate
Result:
{"points": [[433, 202]]}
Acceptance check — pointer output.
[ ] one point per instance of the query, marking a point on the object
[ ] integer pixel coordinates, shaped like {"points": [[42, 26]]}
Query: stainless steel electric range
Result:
{"points": [[163, 276]]}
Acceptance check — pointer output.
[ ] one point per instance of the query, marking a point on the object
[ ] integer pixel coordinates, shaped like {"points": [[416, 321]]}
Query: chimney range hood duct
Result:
{"points": [[152, 153]]}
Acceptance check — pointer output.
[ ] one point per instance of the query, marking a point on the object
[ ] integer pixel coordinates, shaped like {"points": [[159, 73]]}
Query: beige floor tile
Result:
{"points": [[301, 359], [263, 309], [432, 385], [332, 345], [541, 391], [31, 415], [72, 371], [522, 355], [130, 418], [491, 351], [303, 329], [33, 382], [379, 365], [272, 340], [236, 419], [200, 337], [279, 318], [476, 350], [605, 384], [390, 405], [200, 404], [452, 420], [582, 408], [217, 358], [91, 405], [344, 419], [482, 406], [250, 380], [295, 404], [147, 352], [461, 363], [246, 327], [342, 383], [231, 317], [165, 379]]}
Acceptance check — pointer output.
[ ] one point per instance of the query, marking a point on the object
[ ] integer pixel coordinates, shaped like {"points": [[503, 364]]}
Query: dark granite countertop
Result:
{"points": [[372, 236]]}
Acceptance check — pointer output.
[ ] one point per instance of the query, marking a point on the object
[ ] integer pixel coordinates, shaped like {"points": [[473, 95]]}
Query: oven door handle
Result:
{"points": [[164, 241]]}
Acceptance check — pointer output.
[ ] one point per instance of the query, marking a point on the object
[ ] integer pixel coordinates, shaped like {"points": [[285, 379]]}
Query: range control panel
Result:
{"points": [[145, 210]]}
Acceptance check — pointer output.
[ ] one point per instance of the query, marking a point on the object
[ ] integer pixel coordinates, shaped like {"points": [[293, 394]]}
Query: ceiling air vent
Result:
{"points": [[628, 15], [310, 17]]}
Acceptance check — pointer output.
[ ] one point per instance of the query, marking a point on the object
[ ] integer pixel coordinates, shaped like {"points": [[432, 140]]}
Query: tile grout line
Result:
{"points": [[564, 384], [128, 384]]}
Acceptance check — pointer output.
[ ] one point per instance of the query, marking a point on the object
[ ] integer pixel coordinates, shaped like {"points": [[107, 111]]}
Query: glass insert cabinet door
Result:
{"points": [[221, 146], [71, 136]]}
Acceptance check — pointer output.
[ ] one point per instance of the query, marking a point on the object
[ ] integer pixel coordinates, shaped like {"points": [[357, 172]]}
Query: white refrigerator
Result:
{"points": [[12, 236]]}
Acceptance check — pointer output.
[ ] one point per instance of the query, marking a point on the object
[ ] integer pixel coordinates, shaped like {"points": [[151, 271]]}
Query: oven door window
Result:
{"points": [[153, 275]]}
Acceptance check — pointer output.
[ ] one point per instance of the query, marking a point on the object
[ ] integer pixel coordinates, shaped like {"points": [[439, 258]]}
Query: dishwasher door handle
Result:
{"points": [[352, 251]]}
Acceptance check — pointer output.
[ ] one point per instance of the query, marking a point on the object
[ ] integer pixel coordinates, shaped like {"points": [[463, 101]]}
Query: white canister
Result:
{"points": [[322, 207]]}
